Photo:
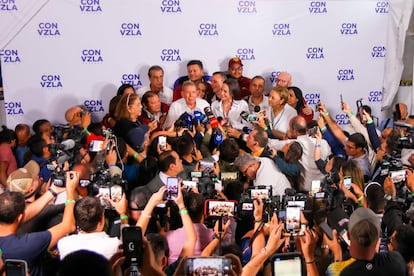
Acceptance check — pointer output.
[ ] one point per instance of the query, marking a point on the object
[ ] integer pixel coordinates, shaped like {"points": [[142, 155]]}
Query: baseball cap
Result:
{"points": [[21, 179], [362, 214], [235, 61]]}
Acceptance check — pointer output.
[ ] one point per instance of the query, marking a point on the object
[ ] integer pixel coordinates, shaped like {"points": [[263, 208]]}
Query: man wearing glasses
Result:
{"points": [[263, 172]]}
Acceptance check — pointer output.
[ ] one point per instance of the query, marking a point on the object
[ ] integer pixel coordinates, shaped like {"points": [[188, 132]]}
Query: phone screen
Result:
{"points": [[116, 193], [287, 265], [16, 267], [132, 244], [347, 182], [95, 145], [398, 176], [104, 195], [263, 193], [218, 208], [208, 266], [172, 187], [162, 140], [315, 186], [292, 222]]}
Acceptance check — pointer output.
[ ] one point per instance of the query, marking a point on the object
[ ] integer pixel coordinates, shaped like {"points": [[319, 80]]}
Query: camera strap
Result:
{"points": [[254, 236]]}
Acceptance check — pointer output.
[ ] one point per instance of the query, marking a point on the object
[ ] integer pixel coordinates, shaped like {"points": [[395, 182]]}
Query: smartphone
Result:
{"points": [[315, 187], [218, 186], [247, 206], [96, 146], [132, 244], [288, 264], [229, 176], [16, 267], [326, 229], [398, 176], [264, 192], [220, 208], [347, 182], [172, 187], [196, 174], [116, 192], [343, 236], [313, 131], [104, 196], [162, 141], [206, 164], [342, 100], [109, 146], [191, 184], [292, 221], [207, 266]]}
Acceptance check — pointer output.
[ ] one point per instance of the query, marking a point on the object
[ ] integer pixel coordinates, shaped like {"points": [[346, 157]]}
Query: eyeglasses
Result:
{"points": [[236, 68], [245, 171]]}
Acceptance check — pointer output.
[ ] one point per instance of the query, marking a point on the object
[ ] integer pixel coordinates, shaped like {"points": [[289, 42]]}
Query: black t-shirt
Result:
{"points": [[391, 263]]}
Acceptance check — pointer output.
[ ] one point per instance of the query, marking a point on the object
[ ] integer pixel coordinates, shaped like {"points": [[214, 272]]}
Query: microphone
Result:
{"points": [[67, 144], [244, 115]]}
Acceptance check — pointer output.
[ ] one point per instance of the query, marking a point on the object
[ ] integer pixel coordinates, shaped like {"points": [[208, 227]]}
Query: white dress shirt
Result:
{"points": [[233, 117], [179, 107], [166, 94]]}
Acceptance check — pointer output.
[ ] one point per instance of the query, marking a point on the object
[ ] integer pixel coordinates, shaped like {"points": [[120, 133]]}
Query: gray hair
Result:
{"points": [[244, 160]]}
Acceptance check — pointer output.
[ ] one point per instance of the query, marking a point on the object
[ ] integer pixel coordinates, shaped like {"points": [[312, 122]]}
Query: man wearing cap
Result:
{"points": [[364, 231], [235, 70], [25, 180]]}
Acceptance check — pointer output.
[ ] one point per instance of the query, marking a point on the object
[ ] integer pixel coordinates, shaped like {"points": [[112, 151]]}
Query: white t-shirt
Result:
{"points": [[179, 107], [281, 121], [166, 94], [269, 174], [98, 242], [233, 117]]}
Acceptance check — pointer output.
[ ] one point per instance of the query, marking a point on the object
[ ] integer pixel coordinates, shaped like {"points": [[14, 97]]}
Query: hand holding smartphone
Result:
{"points": [[132, 245]]}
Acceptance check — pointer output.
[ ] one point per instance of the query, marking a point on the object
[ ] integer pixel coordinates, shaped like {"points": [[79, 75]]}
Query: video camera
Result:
{"points": [[407, 141]]}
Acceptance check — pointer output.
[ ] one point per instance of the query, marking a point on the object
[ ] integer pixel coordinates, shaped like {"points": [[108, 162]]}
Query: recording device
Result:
{"points": [[207, 266], [315, 187], [326, 229], [342, 100], [229, 176], [249, 117], [96, 146], [313, 131], [220, 208], [16, 267], [292, 221], [107, 193], [318, 107], [262, 192], [284, 264], [205, 164], [172, 188], [398, 176], [132, 245], [162, 141], [347, 182]]}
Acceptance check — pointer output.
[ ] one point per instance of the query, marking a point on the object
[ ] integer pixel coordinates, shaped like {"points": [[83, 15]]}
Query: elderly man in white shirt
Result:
{"points": [[298, 132], [188, 103], [264, 172]]}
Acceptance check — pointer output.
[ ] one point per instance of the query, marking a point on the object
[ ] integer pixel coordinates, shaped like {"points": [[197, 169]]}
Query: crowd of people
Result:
{"points": [[99, 198]]}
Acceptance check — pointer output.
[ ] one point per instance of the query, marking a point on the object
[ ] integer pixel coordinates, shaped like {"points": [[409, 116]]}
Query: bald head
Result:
{"points": [[297, 126], [284, 79]]}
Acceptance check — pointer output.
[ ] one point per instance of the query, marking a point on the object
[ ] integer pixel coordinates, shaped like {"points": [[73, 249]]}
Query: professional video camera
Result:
{"points": [[270, 202], [206, 180], [407, 141]]}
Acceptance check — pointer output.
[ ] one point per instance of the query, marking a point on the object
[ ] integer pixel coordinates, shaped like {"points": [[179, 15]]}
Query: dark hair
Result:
{"points": [[222, 75], [84, 263], [159, 244], [358, 139], [404, 239], [154, 68], [113, 103], [234, 88], [229, 150], [12, 204], [7, 135], [147, 95], [165, 160], [123, 87], [36, 144], [36, 125], [88, 213], [194, 204], [259, 77], [195, 62], [260, 137], [20, 127], [185, 145], [139, 196], [299, 96]]}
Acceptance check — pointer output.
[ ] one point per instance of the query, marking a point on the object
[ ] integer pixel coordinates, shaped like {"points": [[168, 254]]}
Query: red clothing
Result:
{"points": [[244, 84], [6, 155], [145, 120]]}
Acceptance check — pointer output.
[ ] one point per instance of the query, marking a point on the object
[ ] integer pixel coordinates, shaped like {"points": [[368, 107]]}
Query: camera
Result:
{"points": [[207, 266], [132, 245]]}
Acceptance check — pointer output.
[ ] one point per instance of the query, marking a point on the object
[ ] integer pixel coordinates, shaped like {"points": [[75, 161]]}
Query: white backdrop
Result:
{"points": [[60, 53]]}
